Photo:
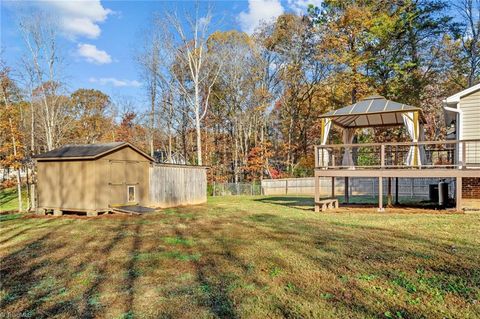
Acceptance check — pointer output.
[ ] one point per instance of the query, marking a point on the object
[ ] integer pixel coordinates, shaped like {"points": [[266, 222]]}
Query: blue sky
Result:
{"points": [[99, 37]]}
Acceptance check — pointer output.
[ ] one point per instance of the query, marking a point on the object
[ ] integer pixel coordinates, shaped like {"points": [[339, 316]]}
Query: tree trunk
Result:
{"points": [[19, 190], [199, 139], [19, 180]]}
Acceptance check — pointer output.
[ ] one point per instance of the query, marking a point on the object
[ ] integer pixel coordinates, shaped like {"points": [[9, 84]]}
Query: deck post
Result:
{"points": [[347, 191], [380, 195], [317, 192], [396, 191], [389, 197], [458, 190], [333, 187]]}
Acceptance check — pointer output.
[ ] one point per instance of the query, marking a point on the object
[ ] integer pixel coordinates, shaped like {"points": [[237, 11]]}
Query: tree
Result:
{"points": [[295, 42], [149, 62], [11, 148], [469, 11], [43, 66], [92, 123], [191, 70]]}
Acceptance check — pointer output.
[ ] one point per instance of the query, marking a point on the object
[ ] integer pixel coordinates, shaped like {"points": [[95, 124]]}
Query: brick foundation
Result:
{"points": [[471, 188]]}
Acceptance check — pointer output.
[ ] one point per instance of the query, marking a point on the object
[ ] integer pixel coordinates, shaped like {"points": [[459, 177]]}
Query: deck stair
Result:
{"points": [[324, 204]]}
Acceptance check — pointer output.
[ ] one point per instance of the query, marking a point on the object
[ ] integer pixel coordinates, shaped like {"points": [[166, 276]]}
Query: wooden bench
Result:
{"points": [[324, 204]]}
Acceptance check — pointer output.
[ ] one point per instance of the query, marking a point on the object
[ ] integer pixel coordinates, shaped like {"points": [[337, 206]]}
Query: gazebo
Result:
{"points": [[384, 159], [375, 111]]}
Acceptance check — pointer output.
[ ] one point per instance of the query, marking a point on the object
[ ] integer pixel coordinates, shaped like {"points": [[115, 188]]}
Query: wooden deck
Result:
{"points": [[442, 159]]}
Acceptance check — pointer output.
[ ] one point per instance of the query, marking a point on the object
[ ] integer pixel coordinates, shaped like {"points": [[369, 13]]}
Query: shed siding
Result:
{"points": [[66, 185], [470, 106], [177, 185], [117, 171], [97, 184]]}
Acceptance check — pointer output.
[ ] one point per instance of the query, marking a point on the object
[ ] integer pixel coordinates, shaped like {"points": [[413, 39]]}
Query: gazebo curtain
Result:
{"points": [[347, 138], [325, 130], [416, 154]]}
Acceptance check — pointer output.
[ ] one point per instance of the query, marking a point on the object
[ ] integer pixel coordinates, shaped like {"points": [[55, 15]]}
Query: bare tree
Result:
{"points": [[42, 66], [188, 66], [148, 58], [470, 12]]}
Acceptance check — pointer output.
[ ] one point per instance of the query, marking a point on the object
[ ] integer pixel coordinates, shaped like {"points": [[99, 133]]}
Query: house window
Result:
{"points": [[131, 194]]}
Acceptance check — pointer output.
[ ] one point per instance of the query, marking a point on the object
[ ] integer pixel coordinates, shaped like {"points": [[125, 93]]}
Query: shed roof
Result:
{"points": [[86, 151], [370, 112]]}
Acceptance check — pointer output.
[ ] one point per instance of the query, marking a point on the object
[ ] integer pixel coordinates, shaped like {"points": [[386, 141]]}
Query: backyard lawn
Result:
{"points": [[9, 199], [242, 257]]}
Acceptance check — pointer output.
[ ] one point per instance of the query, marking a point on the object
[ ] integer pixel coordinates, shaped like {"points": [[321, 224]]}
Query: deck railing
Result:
{"points": [[438, 154]]}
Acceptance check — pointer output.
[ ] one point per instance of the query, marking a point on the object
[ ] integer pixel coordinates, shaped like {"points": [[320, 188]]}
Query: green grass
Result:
{"points": [[243, 257], [9, 201]]}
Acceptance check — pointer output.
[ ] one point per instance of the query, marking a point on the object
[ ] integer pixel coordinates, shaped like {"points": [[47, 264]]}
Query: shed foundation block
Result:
{"points": [[92, 213], [57, 212]]}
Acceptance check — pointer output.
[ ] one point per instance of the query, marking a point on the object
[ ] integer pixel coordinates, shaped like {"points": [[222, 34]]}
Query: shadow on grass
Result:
{"points": [[394, 259], [45, 269], [214, 284], [269, 259], [307, 203], [19, 272], [303, 203]]}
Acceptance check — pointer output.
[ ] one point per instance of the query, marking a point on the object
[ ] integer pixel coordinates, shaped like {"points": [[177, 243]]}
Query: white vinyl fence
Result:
{"points": [[407, 187]]}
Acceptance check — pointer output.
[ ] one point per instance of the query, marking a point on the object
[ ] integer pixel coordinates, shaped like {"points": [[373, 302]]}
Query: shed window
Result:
{"points": [[131, 193]]}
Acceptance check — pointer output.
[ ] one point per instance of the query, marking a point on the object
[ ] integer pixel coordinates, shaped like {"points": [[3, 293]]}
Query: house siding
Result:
{"points": [[470, 125]]}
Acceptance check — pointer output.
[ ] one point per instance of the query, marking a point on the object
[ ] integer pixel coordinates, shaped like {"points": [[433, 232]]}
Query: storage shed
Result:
{"points": [[96, 178]]}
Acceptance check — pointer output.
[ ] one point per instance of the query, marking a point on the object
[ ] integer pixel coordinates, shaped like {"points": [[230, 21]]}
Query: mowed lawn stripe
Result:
{"points": [[243, 257]]}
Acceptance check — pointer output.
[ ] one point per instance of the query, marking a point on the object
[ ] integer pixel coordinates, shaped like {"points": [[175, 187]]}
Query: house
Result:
{"points": [[462, 116], [396, 160], [97, 178], [462, 113]]}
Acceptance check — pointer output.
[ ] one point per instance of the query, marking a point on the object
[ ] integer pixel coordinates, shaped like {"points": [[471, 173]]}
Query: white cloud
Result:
{"points": [[259, 11], [76, 18], [115, 82], [93, 55], [300, 6]]}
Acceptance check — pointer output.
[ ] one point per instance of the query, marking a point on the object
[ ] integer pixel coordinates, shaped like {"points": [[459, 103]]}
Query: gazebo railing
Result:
{"points": [[432, 154]]}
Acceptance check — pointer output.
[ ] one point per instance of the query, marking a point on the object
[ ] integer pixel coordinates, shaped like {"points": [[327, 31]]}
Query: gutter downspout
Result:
{"points": [[458, 130]]}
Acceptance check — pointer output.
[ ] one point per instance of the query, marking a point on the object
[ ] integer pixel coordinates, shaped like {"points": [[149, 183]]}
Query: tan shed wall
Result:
{"points": [[177, 185], [470, 106], [118, 170], [66, 185]]}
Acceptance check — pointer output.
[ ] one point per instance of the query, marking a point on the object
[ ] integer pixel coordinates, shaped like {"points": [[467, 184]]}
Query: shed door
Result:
{"points": [[118, 193]]}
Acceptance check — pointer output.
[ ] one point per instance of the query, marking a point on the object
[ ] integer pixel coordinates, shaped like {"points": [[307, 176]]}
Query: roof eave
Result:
{"points": [[454, 99], [94, 157]]}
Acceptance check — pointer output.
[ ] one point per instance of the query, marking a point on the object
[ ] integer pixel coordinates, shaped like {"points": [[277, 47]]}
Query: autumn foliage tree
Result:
{"points": [[11, 147]]}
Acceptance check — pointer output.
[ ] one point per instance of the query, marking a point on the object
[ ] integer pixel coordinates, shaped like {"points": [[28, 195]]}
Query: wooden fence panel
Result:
{"points": [[177, 185]]}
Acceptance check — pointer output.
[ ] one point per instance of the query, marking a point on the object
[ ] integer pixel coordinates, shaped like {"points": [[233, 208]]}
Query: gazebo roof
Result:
{"points": [[373, 111]]}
